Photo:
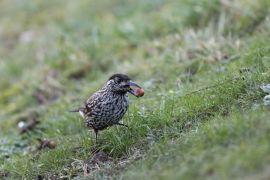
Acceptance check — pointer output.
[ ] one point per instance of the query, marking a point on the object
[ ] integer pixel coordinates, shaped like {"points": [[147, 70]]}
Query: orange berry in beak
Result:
{"points": [[139, 92]]}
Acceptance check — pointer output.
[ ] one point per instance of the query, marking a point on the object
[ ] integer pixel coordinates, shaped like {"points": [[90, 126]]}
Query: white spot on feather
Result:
{"points": [[81, 113]]}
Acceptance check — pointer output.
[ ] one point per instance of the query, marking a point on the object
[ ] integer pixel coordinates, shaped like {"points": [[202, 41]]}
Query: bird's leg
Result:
{"points": [[96, 133], [120, 124]]}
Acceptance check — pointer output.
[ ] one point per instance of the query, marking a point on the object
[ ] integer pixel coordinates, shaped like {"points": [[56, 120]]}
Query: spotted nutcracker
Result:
{"points": [[107, 106]]}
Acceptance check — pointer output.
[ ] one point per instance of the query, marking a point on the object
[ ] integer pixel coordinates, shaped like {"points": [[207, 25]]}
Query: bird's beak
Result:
{"points": [[133, 84]]}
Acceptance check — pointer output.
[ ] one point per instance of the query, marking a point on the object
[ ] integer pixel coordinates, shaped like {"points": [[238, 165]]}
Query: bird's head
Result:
{"points": [[121, 84]]}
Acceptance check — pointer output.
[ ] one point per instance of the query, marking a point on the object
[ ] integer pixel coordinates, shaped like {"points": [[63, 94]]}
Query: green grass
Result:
{"points": [[201, 64]]}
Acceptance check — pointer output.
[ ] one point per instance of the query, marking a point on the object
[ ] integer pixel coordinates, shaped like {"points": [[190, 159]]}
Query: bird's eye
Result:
{"points": [[117, 80]]}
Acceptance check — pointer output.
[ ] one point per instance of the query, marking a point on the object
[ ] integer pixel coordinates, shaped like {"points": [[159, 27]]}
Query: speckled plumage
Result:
{"points": [[107, 106], [104, 108]]}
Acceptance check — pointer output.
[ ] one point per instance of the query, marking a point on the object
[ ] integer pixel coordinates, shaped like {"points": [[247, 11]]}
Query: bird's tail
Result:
{"points": [[74, 110]]}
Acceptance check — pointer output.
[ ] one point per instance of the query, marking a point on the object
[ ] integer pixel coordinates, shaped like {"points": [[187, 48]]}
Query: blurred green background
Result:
{"points": [[200, 62]]}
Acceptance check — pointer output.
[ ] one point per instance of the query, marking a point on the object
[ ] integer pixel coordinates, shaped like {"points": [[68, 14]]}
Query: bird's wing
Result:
{"points": [[92, 103]]}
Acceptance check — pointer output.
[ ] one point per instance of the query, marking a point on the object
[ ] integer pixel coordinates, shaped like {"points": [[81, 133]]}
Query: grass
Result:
{"points": [[201, 64]]}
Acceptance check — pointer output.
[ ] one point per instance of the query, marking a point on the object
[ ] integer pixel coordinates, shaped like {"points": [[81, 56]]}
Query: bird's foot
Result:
{"points": [[120, 124]]}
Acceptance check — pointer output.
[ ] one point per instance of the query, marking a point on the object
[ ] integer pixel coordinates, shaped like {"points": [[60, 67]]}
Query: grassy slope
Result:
{"points": [[67, 49]]}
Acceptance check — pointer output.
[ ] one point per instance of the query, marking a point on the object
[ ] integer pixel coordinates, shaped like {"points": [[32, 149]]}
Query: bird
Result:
{"points": [[107, 106]]}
